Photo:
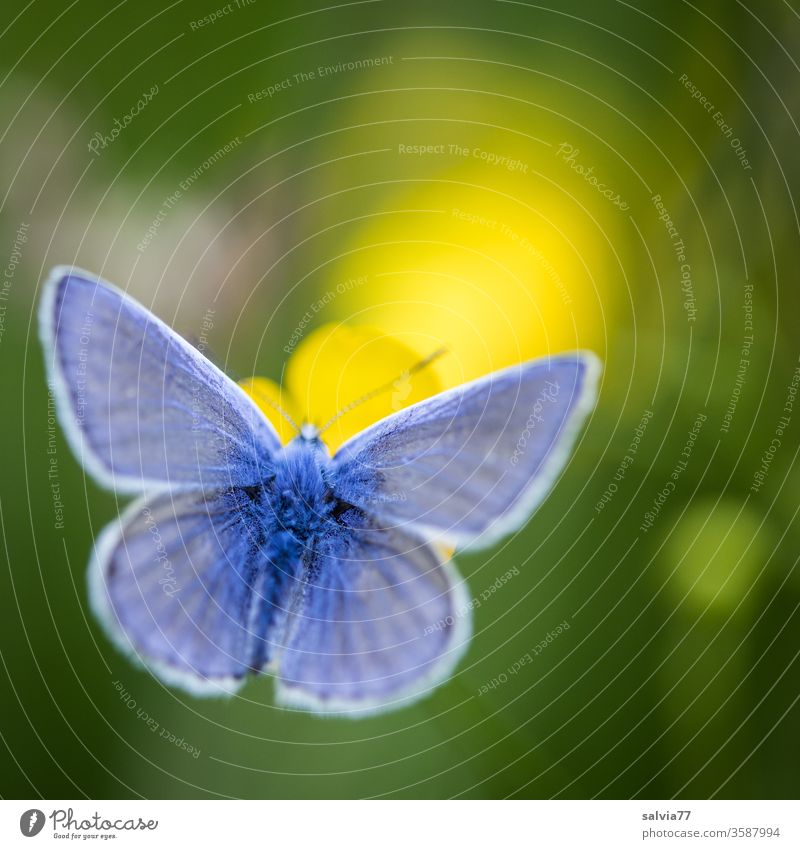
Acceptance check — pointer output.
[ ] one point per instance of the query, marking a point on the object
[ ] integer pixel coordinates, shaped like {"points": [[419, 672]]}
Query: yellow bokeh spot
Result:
{"points": [[715, 553], [497, 278], [333, 370]]}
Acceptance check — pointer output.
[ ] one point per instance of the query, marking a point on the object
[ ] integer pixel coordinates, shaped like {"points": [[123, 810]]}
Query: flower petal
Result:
{"points": [[266, 393], [337, 365]]}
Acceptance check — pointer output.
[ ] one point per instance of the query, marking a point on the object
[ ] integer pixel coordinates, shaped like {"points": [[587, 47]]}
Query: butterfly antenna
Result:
{"points": [[277, 407], [384, 388]]}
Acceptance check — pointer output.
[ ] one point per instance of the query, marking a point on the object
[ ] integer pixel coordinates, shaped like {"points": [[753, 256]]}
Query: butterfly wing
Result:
{"points": [[140, 406], [471, 464], [184, 581], [382, 619]]}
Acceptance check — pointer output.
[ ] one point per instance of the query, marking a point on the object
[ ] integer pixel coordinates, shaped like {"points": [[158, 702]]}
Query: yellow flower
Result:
{"points": [[336, 367], [498, 266]]}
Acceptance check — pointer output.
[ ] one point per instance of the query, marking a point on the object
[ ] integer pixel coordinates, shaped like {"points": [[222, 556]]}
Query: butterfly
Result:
{"points": [[241, 554]]}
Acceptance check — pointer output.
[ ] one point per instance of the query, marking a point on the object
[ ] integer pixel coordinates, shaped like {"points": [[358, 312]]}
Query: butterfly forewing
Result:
{"points": [[142, 407], [472, 463]]}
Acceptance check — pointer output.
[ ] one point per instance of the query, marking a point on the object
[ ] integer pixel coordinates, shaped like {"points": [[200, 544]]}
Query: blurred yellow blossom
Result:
{"points": [[492, 279], [335, 367]]}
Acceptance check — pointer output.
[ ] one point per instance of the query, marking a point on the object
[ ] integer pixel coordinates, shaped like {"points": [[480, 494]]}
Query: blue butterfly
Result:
{"points": [[242, 555]]}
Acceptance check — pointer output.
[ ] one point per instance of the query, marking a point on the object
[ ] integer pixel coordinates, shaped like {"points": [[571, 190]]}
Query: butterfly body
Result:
{"points": [[292, 518], [240, 554]]}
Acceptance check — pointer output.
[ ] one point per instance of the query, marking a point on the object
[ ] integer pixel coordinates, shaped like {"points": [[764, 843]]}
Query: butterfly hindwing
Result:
{"points": [[471, 464], [382, 620], [186, 582], [142, 407]]}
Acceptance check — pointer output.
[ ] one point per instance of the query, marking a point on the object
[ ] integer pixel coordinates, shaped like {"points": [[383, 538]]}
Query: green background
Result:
{"points": [[678, 675]]}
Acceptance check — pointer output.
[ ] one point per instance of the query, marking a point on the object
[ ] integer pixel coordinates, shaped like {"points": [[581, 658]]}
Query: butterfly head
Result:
{"points": [[309, 432], [309, 436]]}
